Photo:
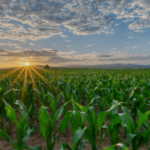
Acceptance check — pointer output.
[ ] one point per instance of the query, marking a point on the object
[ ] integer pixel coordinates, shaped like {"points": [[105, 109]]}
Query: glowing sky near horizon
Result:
{"points": [[74, 32]]}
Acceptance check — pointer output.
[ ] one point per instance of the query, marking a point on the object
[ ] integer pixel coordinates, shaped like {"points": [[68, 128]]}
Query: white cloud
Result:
{"points": [[8, 44], [64, 36], [47, 49], [68, 40], [91, 45], [134, 47], [69, 46], [18, 47], [32, 44], [21, 20], [130, 37]]}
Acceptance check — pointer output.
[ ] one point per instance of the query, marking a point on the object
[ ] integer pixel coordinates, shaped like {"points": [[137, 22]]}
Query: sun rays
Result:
{"points": [[24, 84], [9, 73], [26, 71], [14, 82], [42, 77]]}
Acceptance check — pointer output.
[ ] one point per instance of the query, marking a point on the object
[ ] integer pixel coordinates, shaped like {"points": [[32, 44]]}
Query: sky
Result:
{"points": [[74, 32]]}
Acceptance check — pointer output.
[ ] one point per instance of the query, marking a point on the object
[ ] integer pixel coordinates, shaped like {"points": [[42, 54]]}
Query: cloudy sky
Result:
{"points": [[74, 32]]}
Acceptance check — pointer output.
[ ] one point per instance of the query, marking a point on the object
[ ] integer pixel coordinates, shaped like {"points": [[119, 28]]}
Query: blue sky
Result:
{"points": [[74, 32]]}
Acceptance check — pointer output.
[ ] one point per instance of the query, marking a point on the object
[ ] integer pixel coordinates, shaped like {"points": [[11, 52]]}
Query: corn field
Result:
{"points": [[92, 109]]}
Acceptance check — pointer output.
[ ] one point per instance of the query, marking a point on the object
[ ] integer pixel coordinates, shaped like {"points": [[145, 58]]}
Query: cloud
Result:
{"points": [[64, 36], [32, 44], [8, 44], [69, 46], [134, 47], [91, 45], [68, 40], [38, 56], [60, 58], [34, 20], [18, 47], [130, 37]]}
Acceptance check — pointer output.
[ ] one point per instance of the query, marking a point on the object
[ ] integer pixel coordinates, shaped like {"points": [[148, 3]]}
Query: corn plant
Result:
{"points": [[133, 134], [22, 127], [48, 125]]}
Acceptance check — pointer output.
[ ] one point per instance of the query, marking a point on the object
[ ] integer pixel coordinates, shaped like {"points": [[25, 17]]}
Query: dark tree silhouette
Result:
{"points": [[47, 67]]}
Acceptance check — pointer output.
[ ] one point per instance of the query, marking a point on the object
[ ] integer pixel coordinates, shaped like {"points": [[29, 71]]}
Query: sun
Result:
{"points": [[27, 63]]}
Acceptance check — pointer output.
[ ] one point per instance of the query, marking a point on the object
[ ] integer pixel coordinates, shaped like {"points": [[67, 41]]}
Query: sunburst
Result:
{"points": [[27, 63], [27, 71]]}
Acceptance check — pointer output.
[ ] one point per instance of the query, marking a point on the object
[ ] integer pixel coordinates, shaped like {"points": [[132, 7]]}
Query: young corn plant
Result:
{"points": [[48, 125], [95, 124], [22, 127], [115, 122], [134, 135], [94, 129]]}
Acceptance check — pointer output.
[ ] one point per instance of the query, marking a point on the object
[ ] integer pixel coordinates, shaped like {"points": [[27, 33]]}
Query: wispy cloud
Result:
{"points": [[91, 45], [68, 40], [134, 47], [64, 36], [79, 17], [130, 37], [56, 57], [8, 44], [32, 44], [69, 46]]}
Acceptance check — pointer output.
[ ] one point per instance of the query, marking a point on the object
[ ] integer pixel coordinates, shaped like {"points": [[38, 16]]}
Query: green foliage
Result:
{"points": [[91, 103], [22, 126]]}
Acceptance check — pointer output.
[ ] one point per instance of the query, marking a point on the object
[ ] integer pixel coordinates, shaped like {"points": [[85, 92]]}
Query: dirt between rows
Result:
{"points": [[38, 140]]}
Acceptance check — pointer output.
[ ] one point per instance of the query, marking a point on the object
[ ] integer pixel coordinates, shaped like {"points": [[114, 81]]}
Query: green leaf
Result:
{"points": [[130, 138], [10, 112], [65, 146], [85, 109], [101, 119], [77, 137], [44, 119], [143, 118], [57, 115], [77, 121], [114, 106], [82, 144], [52, 102], [28, 134], [65, 122]]}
